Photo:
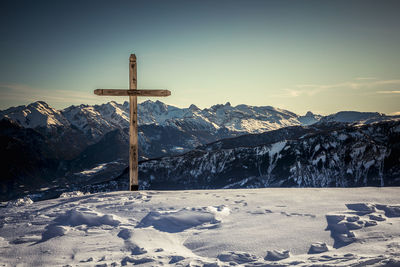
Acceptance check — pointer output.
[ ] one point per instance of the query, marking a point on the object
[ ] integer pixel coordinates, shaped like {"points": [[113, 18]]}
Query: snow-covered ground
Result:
{"points": [[247, 227]]}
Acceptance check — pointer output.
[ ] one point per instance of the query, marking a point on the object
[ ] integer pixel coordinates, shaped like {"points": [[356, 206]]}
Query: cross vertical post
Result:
{"points": [[133, 127], [133, 93]]}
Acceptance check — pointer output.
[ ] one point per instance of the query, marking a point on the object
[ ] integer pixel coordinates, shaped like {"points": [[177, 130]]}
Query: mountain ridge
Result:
{"points": [[80, 138], [241, 118], [353, 155]]}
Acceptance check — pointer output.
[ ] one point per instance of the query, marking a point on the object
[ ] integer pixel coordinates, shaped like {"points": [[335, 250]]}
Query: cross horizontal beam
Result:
{"points": [[125, 92]]}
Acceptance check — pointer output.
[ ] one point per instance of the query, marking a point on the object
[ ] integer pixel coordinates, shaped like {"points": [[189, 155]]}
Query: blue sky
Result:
{"points": [[322, 56]]}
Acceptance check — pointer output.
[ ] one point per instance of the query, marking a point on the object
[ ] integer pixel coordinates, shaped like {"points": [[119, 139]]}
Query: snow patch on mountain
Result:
{"points": [[357, 117], [351, 156], [97, 120], [37, 114], [309, 118]]}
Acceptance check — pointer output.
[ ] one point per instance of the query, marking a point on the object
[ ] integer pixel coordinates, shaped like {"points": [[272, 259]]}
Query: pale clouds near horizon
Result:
{"points": [[14, 94], [389, 92], [357, 83], [20, 93]]}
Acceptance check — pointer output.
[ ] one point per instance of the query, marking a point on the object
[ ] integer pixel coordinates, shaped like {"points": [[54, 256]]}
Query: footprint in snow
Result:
{"points": [[318, 247], [237, 257], [360, 215], [277, 255], [178, 221], [76, 218], [125, 234], [135, 261]]}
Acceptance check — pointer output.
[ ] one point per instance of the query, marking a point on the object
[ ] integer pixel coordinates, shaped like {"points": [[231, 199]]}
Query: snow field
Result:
{"points": [[247, 227]]}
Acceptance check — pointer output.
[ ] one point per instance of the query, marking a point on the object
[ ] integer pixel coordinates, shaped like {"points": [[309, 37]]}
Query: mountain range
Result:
{"points": [[47, 148], [322, 155]]}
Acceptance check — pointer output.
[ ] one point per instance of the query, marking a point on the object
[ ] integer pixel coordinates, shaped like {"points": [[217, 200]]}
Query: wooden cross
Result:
{"points": [[133, 93]]}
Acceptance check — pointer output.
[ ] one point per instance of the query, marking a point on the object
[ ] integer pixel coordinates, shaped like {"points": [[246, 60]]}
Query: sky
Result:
{"points": [[322, 56]]}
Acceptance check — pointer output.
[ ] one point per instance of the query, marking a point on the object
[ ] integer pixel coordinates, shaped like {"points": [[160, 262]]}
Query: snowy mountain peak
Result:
{"points": [[126, 105], [161, 106], [193, 107], [309, 118], [221, 106], [97, 120], [40, 105], [154, 106], [37, 114], [355, 116]]}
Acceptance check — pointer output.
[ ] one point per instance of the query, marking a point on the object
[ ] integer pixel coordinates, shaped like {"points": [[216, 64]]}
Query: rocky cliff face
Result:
{"points": [[325, 155]]}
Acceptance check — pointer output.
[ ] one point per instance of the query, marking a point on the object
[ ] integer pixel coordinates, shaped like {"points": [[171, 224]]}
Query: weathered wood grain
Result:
{"points": [[133, 127], [140, 92]]}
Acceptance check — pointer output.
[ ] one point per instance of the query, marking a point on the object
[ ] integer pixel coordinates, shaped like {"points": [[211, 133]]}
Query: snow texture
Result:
{"points": [[246, 227], [20, 202]]}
